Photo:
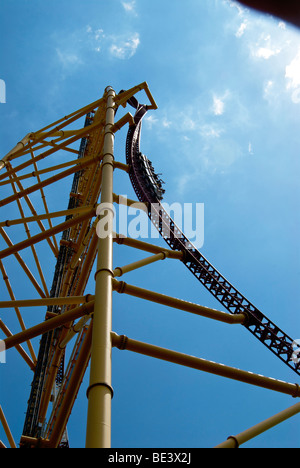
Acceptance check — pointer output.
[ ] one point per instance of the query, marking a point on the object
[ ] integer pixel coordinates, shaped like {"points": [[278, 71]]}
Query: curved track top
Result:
{"points": [[257, 323]]}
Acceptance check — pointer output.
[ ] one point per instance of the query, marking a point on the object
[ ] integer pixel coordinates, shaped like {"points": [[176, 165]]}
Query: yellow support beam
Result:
{"points": [[122, 166], [123, 121], [81, 165], [54, 128], [17, 311], [57, 214], [119, 271], [76, 328], [42, 192], [49, 301], [243, 437], [48, 325], [64, 410], [46, 234], [23, 264], [128, 202], [122, 98], [21, 351], [37, 173], [122, 287], [33, 249], [81, 133], [7, 429], [16, 150], [124, 343], [151, 248]]}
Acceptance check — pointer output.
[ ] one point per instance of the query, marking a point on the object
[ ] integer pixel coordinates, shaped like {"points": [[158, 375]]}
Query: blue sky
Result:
{"points": [[227, 84]]}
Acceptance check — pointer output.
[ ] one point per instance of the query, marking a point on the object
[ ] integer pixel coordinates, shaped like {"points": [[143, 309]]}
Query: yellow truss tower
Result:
{"points": [[28, 171]]}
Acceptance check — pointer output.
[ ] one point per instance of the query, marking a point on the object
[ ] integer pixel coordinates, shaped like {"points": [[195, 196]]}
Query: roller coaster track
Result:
{"points": [[257, 323]]}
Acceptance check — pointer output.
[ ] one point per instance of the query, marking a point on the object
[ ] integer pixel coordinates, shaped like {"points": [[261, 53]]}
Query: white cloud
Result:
{"points": [[209, 131], [129, 7], [268, 89], [282, 25], [95, 38], [125, 48], [99, 33], [166, 123], [265, 48], [72, 48], [292, 74], [151, 120], [239, 8], [218, 107], [188, 124], [68, 59], [296, 96], [240, 32], [279, 46], [266, 52]]}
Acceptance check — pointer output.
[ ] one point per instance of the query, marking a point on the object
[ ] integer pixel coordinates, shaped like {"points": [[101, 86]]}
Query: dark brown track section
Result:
{"points": [[258, 324]]}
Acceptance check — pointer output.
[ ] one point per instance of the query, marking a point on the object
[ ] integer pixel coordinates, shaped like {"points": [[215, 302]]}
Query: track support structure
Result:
{"points": [[86, 245]]}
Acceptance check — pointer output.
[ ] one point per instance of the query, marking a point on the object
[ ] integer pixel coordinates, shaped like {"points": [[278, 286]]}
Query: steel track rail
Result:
{"points": [[258, 324]]}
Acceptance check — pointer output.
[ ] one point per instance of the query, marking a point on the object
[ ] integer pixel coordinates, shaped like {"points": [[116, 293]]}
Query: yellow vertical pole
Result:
{"points": [[100, 391]]}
